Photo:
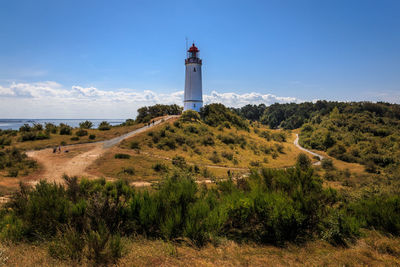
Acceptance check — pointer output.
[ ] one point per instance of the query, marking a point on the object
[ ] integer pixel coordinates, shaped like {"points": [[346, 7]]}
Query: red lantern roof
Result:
{"points": [[193, 48]]}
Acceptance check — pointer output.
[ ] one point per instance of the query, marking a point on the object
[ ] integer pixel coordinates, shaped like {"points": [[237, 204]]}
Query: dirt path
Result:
{"points": [[296, 143], [74, 159], [80, 156]]}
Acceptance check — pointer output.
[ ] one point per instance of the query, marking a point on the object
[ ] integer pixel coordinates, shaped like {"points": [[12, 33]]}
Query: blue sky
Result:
{"points": [[67, 52]]}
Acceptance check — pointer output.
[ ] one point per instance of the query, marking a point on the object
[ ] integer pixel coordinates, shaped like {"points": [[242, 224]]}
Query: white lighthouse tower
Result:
{"points": [[193, 89]]}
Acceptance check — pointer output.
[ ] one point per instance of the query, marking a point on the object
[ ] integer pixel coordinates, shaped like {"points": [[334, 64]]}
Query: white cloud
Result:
{"points": [[240, 100], [51, 100]]}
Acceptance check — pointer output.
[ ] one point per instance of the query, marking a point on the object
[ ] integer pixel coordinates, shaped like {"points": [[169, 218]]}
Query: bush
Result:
{"points": [[85, 125], [227, 155], [135, 145], [51, 128], [160, 167], [128, 170], [92, 137], [327, 164], [81, 132], [303, 161], [179, 162], [74, 138], [104, 126], [122, 156], [65, 129], [215, 157], [13, 173], [190, 116], [379, 212]]}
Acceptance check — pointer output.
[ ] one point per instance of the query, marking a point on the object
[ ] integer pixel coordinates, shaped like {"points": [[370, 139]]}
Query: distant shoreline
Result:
{"points": [[14, 124]]}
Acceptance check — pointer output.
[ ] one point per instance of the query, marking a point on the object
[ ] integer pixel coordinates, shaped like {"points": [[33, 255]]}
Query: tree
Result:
{"points": [[303, 161], [86, 125], [190, 116], [104, 126]]}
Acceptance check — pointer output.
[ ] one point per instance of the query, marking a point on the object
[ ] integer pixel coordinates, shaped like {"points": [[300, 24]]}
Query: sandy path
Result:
{"points": [[78, 158], [296, 143]]}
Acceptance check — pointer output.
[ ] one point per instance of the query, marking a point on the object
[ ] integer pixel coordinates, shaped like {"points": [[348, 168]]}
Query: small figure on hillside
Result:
{"points": [[55, 149], [59, 149], [153, 122]]}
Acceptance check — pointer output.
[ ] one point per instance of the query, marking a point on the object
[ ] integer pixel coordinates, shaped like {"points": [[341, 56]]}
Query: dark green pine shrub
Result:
{"points": [[85, 125], [104, 126], [65, 129], [81, 132], [135, 145], [92, 137], [122, 156]]}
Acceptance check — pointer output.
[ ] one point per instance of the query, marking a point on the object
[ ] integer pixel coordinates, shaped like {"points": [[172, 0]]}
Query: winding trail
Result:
{"points": [[80, 156], [296, 143]]}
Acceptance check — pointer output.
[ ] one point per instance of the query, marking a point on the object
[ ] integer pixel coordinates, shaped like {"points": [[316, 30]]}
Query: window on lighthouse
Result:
{"points": [[194, 69]]}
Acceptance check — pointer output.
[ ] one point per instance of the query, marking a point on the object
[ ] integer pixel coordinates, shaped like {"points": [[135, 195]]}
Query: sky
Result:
{"points": [[105, 59]]}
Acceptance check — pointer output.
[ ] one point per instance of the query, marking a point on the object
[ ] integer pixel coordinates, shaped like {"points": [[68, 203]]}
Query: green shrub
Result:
{"points": [[104, 126], [135, 145], [81, 132], [128, 170], [179, 161], [74, 138], [51, 128], [379, 212], [85, 125], [327, 164], [227, 155], [160, 167], [13, 173], [215, 157], [65, 129], [122, 156], [303, 161], [92, 137], [190, 116]]}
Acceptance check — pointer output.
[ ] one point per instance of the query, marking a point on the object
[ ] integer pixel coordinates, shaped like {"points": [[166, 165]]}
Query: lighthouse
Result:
{"points": [[193, 98]]}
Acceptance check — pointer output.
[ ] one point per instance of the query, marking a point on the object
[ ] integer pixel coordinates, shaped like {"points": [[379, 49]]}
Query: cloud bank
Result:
{"points": [[51, 100]]}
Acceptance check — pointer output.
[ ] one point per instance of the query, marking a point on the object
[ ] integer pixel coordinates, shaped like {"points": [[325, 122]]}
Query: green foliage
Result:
{"points": [[145, 114], [92, 136], [65, 129], [327, 164], [86, 125], [190, 116], [28, 133], [87, 219], [15, 161], [122, 156], [135, 145], [74, 138], [217, 114], [363, 132], [50, 128], [215, 157], [379, 212], [303, 161], [104, 126], [179, 162], [81, 132], [160, 167], [251, 112]]}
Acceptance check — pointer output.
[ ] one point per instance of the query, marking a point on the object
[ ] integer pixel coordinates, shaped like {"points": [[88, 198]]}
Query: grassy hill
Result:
{"points": [[210, 149]]}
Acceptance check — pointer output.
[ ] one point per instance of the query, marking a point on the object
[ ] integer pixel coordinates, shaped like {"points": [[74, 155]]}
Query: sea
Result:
{"points": [[14, 124]]}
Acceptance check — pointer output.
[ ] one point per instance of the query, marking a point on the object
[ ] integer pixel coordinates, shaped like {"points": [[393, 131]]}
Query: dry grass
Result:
{"points": [[143, 159], [244, 156], [373, 250], [56, 139]]}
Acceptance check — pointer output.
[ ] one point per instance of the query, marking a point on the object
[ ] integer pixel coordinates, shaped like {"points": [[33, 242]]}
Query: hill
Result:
{"points": [[213, 143]]}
